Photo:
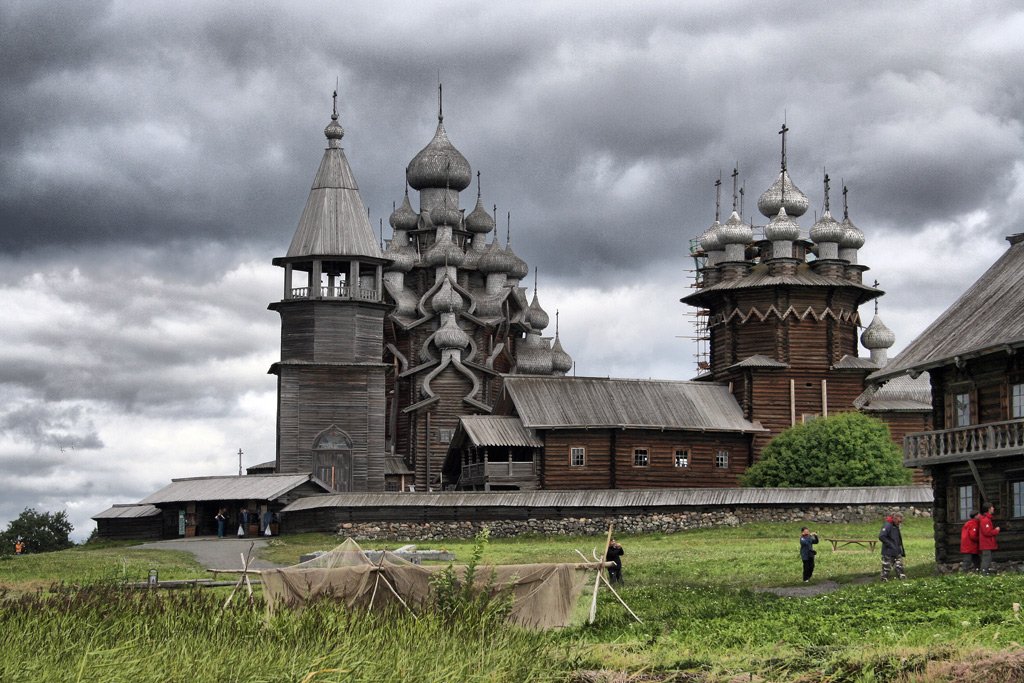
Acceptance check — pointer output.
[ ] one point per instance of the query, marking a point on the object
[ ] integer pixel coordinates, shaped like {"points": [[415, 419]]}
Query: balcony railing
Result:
{"points": [[984, 440], [478, 473], [338, 292]]}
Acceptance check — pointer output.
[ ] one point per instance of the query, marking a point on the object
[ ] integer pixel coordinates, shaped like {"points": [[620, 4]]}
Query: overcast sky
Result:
{"points": [[154, 158]]}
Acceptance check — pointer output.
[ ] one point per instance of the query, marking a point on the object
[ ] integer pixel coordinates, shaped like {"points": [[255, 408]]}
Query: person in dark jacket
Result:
{"points": [[987, 532], [892, 547], [807, 551], [615, 553], [969, 543]]}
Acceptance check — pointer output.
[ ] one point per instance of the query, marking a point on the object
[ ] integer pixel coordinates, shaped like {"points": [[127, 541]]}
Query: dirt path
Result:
{"points": [[216, 553]]}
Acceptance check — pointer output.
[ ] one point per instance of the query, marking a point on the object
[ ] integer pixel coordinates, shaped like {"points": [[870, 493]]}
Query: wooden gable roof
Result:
{"points": [[989, 316], [575, 402]]}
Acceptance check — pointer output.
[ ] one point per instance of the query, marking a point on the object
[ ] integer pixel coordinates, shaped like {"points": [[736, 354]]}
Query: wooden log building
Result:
{"points": [[974, 356]]}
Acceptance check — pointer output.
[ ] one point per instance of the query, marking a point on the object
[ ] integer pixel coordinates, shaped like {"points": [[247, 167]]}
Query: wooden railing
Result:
{"points": [[990, 439], [496, 471], [337, 292]]}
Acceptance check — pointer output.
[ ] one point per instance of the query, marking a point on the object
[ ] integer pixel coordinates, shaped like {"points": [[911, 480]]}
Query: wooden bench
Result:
{"points": [[838, 543]]}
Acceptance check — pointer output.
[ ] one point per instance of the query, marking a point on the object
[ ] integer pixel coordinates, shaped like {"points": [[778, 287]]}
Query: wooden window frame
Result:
{"points": [[718, 456], [647, 456], [966, 421], [1016, 502], [962, 510], [1016, 400], [583, 450], [686, 459]]}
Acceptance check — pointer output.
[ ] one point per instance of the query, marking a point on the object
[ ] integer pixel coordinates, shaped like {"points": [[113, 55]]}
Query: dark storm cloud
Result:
{"points": [[44, 425]]}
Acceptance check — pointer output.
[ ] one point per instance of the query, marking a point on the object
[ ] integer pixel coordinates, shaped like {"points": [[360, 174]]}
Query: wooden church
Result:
{"points": [[382, 350]]}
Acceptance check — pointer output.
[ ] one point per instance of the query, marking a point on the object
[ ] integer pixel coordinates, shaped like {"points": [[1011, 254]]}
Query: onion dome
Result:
{"points": [[494, 260], [534, 357], [449, 336], [439, 164], [444, 215], [517, 267], [444, 252], [877, 335], [710, 240], [793, 200], [403, 258], [560, 360], [782, 228], [447, 300], [852, 237], [479, 221], [827, 229], [404, 218], [735, 231], [334, 131], [535, 315]]}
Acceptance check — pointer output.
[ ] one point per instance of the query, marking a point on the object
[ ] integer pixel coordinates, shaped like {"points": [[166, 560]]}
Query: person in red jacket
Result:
{"points": [[987, 533], [969, 543]]}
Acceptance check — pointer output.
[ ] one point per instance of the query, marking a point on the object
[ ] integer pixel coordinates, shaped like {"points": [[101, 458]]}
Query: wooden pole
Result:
{"points": [[597, 579], [607, 583]]}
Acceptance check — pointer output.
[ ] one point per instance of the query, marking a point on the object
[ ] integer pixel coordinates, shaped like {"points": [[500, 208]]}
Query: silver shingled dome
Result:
{"points": [[827, 229], [782, 228], [772, 200], [439, 165], [877, 335]]}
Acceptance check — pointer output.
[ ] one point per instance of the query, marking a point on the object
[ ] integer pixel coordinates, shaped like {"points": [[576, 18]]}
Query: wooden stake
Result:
{"points": [[600, 573], [607, 583]]}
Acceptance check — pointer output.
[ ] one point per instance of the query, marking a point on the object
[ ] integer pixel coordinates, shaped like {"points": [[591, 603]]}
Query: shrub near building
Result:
{"points": [[847, 449]]}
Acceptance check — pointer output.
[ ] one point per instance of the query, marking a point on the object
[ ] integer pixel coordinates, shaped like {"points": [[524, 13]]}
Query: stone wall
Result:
{"points": [[655, 522]]}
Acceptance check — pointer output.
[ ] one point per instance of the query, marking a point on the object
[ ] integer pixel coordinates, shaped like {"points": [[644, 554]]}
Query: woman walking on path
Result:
{"points": [[807, 551]]}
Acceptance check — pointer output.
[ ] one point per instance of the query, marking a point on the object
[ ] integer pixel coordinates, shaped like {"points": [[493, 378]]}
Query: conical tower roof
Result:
{"points": [[334, 221]]}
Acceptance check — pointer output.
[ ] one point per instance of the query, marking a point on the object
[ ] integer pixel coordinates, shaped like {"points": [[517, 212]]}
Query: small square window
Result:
{"points": [[577, 456], [682, 457], [965, 504], [722, 459], [445, 435], [641, 457], [391, 486]]}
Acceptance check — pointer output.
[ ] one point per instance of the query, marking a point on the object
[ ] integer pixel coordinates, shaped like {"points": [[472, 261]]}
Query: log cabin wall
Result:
{"points": [[1000, 478], [699, 461]]}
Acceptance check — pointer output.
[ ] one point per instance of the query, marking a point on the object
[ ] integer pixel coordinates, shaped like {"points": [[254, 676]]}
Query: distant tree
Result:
{"points": [[846, 449], [41, 531]]}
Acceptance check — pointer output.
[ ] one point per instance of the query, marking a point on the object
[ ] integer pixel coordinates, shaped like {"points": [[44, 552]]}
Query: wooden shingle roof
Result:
{"points": [[987, 317], [250, 487], [494, 430], [568, 402], [623, 498]]}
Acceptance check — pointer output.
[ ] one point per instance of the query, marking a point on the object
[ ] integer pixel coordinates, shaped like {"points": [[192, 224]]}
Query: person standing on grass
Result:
{"points": [[969, 543], [987, 533], [892, 547], [807, 551], [614, 554]]}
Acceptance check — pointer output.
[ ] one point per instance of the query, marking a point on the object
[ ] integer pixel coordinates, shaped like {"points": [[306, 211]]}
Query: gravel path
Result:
{"points": [[216, 553]]}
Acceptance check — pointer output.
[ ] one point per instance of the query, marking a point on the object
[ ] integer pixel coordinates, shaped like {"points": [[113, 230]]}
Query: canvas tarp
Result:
{"points": [[543, 595]]}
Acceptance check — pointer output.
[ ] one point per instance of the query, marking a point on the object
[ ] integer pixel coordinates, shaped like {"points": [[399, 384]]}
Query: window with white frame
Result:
{"points": [[722, 459], [682, 457], [965, 502], [444, 435], [1017, 498], [962, 404], [641, 457], [577, 456], [1016, 401]]}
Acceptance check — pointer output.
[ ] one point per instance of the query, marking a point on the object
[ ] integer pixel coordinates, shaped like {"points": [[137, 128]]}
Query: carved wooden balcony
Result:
{"points": [[988, 440]]}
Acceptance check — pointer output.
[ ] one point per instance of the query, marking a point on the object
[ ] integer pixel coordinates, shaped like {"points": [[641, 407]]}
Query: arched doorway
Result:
{"points": [[332, 458]]}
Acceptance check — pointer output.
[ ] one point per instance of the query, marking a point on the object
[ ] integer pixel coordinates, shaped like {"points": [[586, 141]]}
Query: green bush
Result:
{"points": [[42, 532], [847, 449]]}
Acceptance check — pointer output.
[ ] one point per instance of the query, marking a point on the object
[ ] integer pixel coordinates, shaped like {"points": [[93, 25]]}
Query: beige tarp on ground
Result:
{"points": [[543, 595]]}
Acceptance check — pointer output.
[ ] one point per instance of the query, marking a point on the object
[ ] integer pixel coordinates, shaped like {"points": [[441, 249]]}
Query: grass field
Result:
{"points": [[704, 597]]}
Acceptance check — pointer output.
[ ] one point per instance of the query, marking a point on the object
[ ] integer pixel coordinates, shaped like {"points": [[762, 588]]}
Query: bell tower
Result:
{"points": [[330, 378]]}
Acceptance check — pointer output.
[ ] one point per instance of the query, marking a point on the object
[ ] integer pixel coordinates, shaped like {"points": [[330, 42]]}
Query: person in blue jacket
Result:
{"points": [[807, 551], [893, 553]]}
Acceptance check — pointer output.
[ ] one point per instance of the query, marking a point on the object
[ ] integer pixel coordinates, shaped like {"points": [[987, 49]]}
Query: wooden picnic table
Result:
{"points": [[838, 543]]}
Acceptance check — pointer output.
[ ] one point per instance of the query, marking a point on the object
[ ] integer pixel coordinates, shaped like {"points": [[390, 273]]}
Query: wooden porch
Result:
{"points": [[991, 440]]}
